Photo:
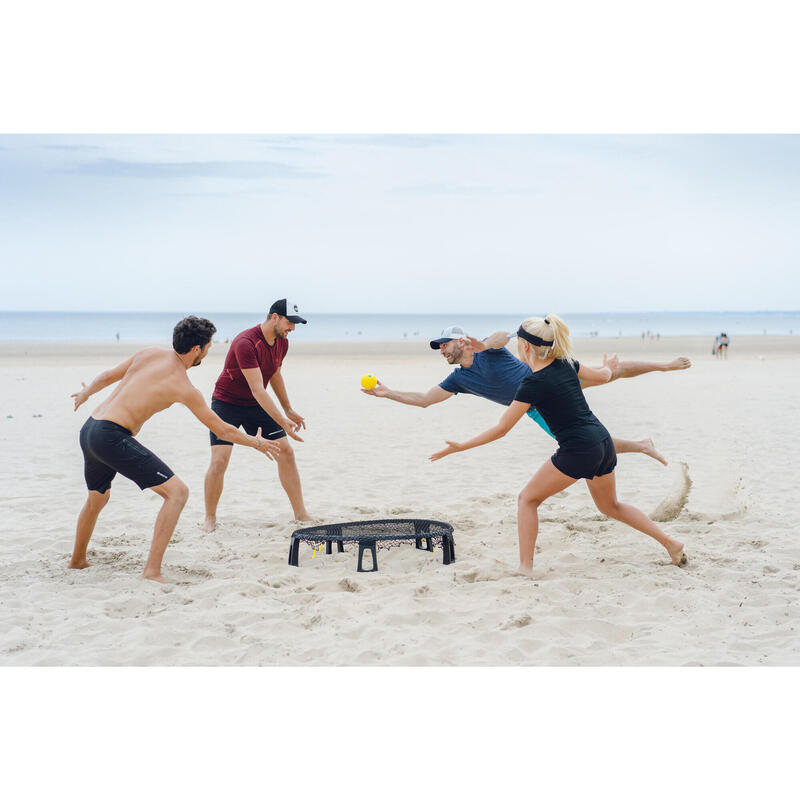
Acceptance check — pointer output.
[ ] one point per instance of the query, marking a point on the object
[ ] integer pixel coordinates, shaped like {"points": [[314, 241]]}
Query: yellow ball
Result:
{"points": [[369, 381]]}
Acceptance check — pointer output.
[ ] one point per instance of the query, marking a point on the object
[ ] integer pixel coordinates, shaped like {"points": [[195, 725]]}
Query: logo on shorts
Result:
{"points": [[162, 475]]}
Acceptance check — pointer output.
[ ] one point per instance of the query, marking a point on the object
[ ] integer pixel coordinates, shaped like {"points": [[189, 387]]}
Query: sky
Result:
{"points": [[400, 223]]}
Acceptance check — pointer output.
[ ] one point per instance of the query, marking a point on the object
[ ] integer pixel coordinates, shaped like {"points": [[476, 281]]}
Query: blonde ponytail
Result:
{"points": [[551, 329]]}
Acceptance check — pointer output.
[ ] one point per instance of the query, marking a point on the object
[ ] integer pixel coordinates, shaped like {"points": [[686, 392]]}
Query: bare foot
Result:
{"points": [[157, 577], [526, 571], [677, 554], [681, 362], [649, 449], [81, 564], [209, 524], [305, 517]]}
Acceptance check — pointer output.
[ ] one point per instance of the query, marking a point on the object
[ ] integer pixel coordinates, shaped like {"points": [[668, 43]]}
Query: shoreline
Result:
{"points": [[630, 347]]}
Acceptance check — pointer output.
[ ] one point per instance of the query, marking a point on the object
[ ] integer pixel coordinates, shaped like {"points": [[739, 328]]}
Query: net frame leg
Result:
{"points": [[294, 552], [370, 545], [448, 549]]}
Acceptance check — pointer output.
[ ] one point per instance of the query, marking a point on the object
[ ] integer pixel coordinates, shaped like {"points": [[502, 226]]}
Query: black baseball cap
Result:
{"points": [[283, 307]]}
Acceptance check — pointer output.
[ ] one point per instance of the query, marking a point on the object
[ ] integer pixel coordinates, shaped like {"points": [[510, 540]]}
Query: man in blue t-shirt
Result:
{"points": [[487, 369]]}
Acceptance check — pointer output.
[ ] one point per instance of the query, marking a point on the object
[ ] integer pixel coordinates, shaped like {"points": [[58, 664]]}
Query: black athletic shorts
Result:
{"points": [[251, 418], [109, 448], [598, 460]]}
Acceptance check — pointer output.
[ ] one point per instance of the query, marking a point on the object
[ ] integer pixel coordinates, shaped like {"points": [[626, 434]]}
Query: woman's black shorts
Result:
{"points": [[251, 418], [109, 448], [598, 460]]}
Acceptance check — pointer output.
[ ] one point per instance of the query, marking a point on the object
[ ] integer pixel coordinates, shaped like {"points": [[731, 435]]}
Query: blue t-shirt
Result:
{"points": [[495, 375]]}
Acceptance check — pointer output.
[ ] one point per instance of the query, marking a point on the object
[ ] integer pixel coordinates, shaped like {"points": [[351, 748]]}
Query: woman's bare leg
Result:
{"points": [[604, 493], [644, 446], [545, 483]]}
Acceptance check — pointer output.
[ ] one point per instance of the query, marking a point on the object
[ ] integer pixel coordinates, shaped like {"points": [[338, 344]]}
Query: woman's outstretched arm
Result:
{"points": [[509, 419]]}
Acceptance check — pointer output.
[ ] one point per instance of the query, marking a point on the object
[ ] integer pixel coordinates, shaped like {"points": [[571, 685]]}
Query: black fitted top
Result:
{"points": [[556, 393]]}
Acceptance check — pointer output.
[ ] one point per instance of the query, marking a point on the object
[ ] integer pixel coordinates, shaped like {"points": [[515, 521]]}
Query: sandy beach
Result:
{"points": [[602, 594]]}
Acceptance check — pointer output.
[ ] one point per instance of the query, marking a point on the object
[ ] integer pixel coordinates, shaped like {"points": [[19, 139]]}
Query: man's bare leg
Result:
{"points": [[215, 478], [644, 446], [290, 480], [175, 493], [95, 503], [632, 369]]}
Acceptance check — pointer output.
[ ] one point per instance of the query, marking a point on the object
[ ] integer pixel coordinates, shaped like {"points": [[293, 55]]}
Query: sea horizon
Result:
{"points": [[146, 326]]}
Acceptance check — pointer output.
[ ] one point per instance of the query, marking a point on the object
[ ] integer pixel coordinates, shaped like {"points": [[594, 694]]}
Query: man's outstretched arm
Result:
{"points": [[494, 341], [423, 400], [101, 381]]}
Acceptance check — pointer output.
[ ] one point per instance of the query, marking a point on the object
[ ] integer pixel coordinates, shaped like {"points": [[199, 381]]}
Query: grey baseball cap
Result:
{"points": [[448, 334]]}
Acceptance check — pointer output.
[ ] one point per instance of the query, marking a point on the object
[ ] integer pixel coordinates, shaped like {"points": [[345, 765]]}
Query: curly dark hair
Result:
{"points": [[191, 331]]}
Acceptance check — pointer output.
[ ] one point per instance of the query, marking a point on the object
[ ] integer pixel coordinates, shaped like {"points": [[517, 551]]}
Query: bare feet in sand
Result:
{"points": [[158, 578], [306, 518], [81, 564], [525, 571], [681, 362], [677, 554], [209, 524], [649, 449]]}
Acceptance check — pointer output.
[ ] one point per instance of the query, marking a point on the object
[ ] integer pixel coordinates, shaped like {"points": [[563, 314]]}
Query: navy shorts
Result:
{"points": [[592, 463], [109, 448], [251, 418]]}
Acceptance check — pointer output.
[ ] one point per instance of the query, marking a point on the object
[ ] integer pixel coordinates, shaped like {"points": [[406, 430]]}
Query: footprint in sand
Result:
{"points": [[670, 507]]}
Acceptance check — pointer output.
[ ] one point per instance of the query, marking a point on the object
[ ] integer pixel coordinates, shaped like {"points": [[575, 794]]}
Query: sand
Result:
{"points": [[601, 593]]}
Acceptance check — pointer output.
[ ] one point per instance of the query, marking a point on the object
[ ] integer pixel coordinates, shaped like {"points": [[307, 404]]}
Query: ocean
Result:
{"points": [[157, 327]]}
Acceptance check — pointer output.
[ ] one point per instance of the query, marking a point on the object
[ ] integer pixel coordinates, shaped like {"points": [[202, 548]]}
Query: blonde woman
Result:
{"points": [[585, 449]]}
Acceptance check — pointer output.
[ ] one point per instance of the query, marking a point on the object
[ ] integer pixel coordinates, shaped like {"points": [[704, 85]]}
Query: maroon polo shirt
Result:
{"points": [[248, 350]]}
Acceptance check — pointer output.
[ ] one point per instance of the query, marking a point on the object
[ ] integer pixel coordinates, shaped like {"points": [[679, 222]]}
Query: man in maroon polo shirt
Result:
{"points": [[240, 398]]}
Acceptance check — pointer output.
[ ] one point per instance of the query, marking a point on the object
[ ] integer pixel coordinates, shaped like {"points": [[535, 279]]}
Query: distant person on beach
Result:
{"points": [[723, 345], [149, 381], [487, 369], [585, 448], [240, 397]]}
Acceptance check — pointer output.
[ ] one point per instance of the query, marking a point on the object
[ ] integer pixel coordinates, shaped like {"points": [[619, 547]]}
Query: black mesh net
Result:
{"points": [[384, 532]]}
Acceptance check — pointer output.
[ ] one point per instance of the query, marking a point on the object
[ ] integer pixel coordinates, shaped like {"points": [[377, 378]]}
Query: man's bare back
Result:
{"points": [[155, 379]]}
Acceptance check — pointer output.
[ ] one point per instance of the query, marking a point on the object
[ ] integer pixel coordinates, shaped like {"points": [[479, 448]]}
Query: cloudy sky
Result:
{"points": [[400, 223]]}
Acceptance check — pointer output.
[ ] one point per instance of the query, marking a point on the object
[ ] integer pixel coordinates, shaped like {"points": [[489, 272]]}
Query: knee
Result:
{"points": [[217, 467], [608, 507], [97, 500], [287, 452], [178, 492], [528, 500]]}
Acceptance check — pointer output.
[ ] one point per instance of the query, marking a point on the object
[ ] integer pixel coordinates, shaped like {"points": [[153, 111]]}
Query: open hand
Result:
{"points": [[474, 344], [612, 363], [379, 390], [269, 449], [290, 427], [296, 418], [80, 397], [452, 447]]}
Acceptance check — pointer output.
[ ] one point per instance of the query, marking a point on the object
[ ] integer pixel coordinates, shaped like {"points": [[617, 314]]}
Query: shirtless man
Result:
{"points": [[149, 381], [487, 369]]}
